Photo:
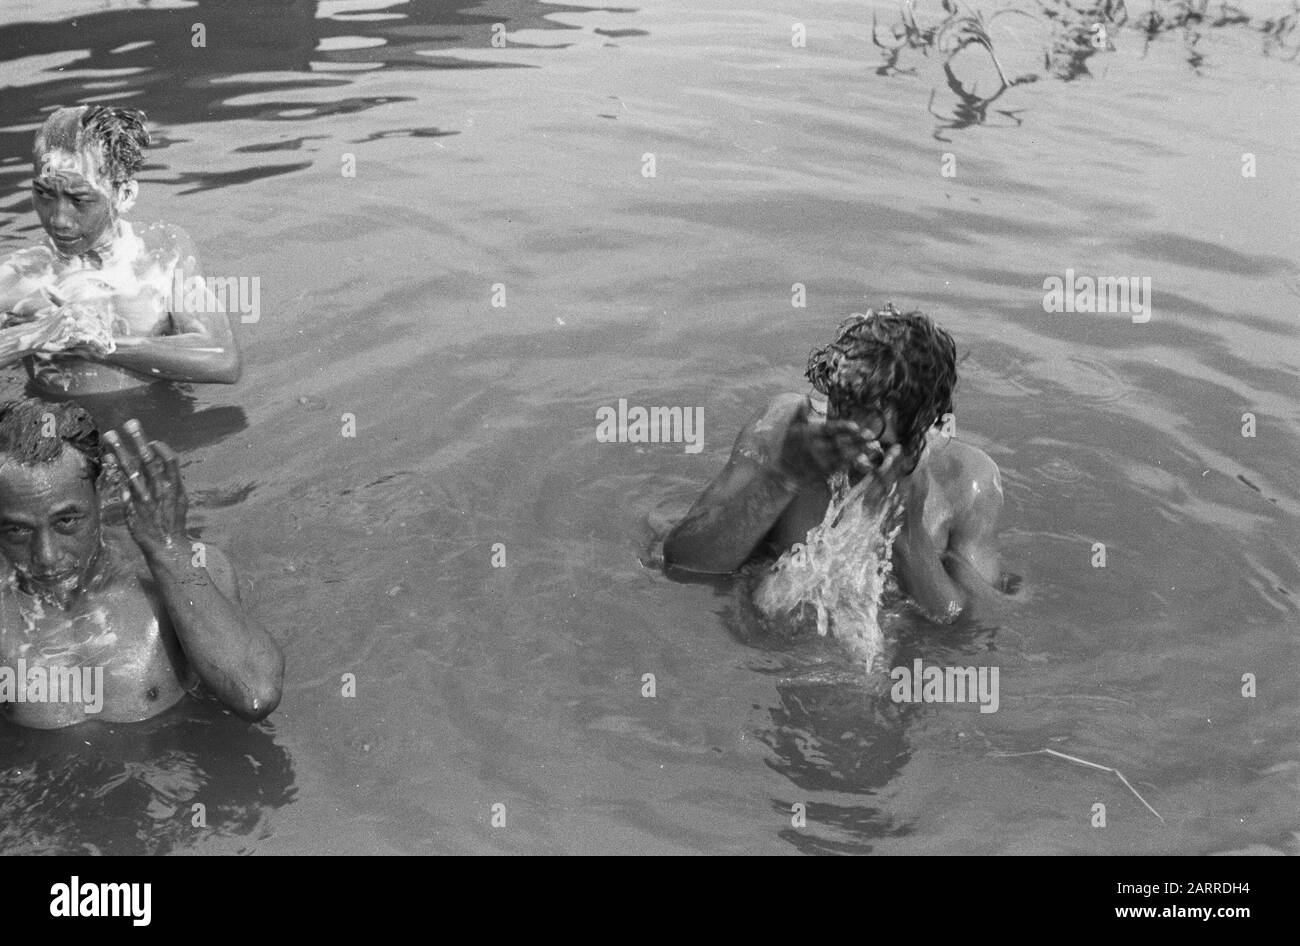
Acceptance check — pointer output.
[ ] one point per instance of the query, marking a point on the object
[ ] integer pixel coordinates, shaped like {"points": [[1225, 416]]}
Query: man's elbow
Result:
{"points": [[260, 699], [229, 369], [942, 606], [681, 554]]}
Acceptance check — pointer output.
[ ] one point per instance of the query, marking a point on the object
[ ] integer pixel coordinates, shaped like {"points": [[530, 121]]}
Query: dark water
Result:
{"points": [[522, 166]]}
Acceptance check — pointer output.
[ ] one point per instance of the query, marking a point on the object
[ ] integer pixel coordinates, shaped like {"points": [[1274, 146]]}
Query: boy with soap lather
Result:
{"points": [[92, 309]]}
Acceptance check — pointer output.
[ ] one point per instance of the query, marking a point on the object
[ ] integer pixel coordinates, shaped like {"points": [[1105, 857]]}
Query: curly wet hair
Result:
{"points": [[890, 359], [25, 433], [119, 135]]}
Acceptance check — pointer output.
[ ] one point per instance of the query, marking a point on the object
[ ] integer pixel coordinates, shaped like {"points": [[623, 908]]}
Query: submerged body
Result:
{"points": [[944, 556]]}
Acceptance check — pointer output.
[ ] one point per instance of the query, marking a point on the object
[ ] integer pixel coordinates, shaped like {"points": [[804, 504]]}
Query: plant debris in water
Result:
{"points": [[1080, 30]]}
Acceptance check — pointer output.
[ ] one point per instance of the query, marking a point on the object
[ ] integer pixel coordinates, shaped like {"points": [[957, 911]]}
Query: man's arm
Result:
{"points": [[743, 502], [973, 541], [201, 347], [19, 341], [231, 652], [777, 456], [947, 582]]}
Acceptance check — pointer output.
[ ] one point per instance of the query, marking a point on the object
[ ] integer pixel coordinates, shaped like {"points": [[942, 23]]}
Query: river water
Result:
{"points": [[519, 174]]}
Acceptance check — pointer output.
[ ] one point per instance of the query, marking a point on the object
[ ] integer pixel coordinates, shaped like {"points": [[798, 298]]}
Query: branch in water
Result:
{"points": [[1077, 761]]}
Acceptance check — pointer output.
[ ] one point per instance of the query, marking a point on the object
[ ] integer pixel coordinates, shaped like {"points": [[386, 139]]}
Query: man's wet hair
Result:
{"points": [[890, 359], [25, 433], [118, 134]]}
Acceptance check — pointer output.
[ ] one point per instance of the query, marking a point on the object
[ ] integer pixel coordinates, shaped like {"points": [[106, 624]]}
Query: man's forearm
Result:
{"points": [[189, 357], [12, 348], [15, 341], [231, 653], [730, 519], [923, 575]]}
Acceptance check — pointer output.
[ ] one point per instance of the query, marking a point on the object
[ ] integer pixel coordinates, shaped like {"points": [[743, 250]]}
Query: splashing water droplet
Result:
{"points": [[840, 571]]}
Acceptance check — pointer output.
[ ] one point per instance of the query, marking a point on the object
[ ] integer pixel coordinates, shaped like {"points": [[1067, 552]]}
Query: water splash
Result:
{"points": [[839, 571]]}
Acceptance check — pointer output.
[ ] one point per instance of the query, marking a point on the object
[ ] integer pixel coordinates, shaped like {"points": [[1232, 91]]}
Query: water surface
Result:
{"points": [[521, 167]]}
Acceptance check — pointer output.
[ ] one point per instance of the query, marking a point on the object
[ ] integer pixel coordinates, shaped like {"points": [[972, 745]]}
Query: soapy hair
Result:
{"points": [[118, 135]]}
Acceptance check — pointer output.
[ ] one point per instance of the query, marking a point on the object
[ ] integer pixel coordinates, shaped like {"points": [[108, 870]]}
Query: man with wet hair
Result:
{"points": [[151, 613], [888, 379], [92, 310]]}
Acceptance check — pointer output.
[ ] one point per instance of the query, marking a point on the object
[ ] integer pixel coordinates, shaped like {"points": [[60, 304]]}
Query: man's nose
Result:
{"points": [[44, 552], [62, 215]]}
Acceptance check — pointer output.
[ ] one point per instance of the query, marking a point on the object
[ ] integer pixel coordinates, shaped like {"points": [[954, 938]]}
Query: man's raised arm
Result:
{"points": [[744, 501], [231, 652]]}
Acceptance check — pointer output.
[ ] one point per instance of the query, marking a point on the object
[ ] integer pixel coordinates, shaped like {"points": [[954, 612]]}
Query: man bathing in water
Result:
{"points": [[92, 310], [73, 595], [888, 379]]}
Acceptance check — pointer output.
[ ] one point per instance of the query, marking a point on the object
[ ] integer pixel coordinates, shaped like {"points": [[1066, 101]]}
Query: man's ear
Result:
{"points": [[124, 196]]}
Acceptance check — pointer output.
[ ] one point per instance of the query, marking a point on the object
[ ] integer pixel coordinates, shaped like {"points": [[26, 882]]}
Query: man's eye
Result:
{"points": [[13, 532], [70, 522]]}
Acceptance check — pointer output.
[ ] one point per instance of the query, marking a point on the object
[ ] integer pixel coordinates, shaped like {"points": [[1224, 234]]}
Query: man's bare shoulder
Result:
{"points": [[972, 478], [167, 241], [764, 432]]}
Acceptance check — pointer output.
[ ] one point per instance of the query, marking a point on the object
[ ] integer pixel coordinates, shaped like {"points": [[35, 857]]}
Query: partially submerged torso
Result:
{"points": [[136, 282], [121, 626]]}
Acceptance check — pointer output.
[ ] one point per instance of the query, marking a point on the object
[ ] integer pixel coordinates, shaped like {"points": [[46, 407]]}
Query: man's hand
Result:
{"points": [[35, 305], [813, 450], [156, 498], [71, 327], [52, 332]]}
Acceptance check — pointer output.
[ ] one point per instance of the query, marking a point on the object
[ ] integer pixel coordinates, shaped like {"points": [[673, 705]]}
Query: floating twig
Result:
{"points": [[1092, 765]]}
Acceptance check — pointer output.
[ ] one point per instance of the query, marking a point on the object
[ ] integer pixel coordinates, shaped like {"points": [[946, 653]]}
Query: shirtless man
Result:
{"points": [[888, 379], [157, 620], [91, 310]]}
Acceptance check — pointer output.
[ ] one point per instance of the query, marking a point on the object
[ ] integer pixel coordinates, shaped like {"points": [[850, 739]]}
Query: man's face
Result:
{"points": [[49, 523], [878, 424], [76, 205]]}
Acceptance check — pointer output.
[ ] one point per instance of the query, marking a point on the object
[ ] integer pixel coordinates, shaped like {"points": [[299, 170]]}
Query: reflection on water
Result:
{"points": [[1060, 38], [168, 412], [133, 789], [147, 57]]}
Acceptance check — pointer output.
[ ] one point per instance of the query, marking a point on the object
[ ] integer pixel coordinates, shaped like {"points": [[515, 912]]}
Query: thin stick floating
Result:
{"points": [[1092, 765]]}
